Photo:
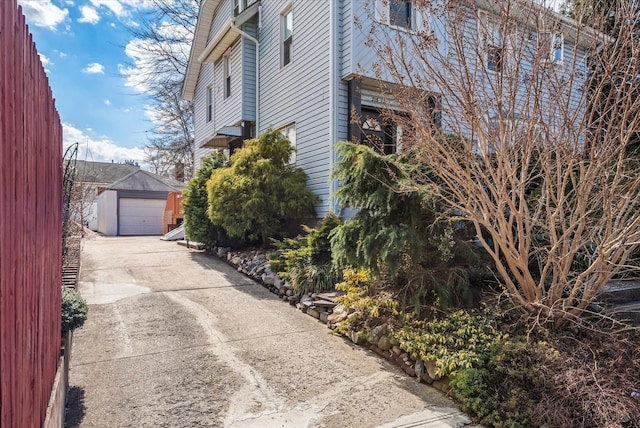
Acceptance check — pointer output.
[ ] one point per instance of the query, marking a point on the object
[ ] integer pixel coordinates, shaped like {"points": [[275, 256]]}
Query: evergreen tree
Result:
{"points": [[197, 224]]}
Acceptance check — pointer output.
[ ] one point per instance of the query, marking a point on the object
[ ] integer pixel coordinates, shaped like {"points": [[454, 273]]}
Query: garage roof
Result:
{"points": [[144, 181]]}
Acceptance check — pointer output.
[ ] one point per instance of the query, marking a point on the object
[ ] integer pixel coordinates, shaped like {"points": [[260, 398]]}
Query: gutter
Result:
{"points": [[232, 25], [333, 97]]}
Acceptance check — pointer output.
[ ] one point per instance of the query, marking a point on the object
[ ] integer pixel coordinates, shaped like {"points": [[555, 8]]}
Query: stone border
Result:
{"points": [[254, 264]]}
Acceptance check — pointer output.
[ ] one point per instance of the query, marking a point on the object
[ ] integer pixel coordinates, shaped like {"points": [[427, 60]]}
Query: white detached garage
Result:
{"points": [[133, 205]]}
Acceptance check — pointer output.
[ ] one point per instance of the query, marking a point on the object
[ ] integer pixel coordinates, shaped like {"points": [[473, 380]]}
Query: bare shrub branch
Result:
{"points": [[538, 111]]}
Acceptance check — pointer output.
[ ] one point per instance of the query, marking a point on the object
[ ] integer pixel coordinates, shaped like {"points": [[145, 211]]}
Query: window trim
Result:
{"points": [[286, 43], [548, 42], [226, 70], [239, 6], [419, 17], [209, 103], [485, 23], [291, 126]]}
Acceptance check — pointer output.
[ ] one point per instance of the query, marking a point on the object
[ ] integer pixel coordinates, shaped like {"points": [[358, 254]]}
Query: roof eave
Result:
{"points": [[199, 43]]}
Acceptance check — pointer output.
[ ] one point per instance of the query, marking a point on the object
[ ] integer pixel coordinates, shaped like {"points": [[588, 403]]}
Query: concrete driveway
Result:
{"points": [[177, 338]]}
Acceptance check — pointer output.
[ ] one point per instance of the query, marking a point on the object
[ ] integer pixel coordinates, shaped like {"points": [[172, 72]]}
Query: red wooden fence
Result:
{"points": [[30, 226]]}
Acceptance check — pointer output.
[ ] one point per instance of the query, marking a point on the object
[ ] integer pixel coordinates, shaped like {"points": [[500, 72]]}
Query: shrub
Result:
{"points": [[305, 261], [74, 310], [404, 235], [260, 192], [198, 226]]}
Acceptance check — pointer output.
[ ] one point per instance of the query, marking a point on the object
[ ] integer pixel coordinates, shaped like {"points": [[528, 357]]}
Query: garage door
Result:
{"points": [[140, 216]]}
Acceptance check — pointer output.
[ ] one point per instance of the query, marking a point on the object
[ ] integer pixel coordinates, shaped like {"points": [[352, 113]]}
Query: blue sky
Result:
{"points": [[94, 73]]}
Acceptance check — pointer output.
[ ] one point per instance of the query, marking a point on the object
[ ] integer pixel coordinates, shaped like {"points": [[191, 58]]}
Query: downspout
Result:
{"points": [[333, 97], [254, 40]]}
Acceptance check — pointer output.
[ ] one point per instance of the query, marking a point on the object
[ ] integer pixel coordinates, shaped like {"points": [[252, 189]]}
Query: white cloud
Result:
{"points": [[100, 149], [45, 62], [107, 102], [43, 13], [143, 61], [114, 5], [94, 68], [89, 15]]}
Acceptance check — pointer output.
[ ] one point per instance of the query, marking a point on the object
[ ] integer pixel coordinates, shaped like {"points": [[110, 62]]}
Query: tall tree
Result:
{"points": [[160, 49]]}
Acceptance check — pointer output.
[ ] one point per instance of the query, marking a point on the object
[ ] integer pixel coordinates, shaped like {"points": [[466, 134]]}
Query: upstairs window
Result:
{"points": [[209, 104], [226, 65], [287, 36], [239, 6], [552, 45], [397, 13], [491, 37], [400, 14]]}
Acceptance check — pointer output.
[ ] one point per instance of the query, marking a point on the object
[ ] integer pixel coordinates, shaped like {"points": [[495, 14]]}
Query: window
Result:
{"points": [[400, 14], [378, 133], [552, 45], [287, 36], [492, 42], [209, 103], [289, 131], [239, 6], [226, 64]]}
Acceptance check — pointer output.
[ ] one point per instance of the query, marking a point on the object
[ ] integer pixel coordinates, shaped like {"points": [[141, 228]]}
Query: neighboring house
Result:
{"points": [[302, 67], [122, 199]]}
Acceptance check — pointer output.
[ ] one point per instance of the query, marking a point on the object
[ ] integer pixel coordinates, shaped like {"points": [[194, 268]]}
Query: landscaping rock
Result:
{"points": [[339, 314], [384, 343], [313, 312], [418, 367], [430, 367], [355, 337], [378, 332]]}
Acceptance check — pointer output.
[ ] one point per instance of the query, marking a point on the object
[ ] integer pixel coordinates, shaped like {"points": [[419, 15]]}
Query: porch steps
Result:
{"points": [[175, 234]]}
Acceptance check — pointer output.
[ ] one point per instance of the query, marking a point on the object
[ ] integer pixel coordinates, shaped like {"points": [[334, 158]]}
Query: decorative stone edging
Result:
{"points": [[254, 263]]}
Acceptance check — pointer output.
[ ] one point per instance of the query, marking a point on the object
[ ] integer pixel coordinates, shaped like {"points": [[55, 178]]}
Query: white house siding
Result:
{"points": [[300, 92], [203, 129], [223, 12], [228, 111]]}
